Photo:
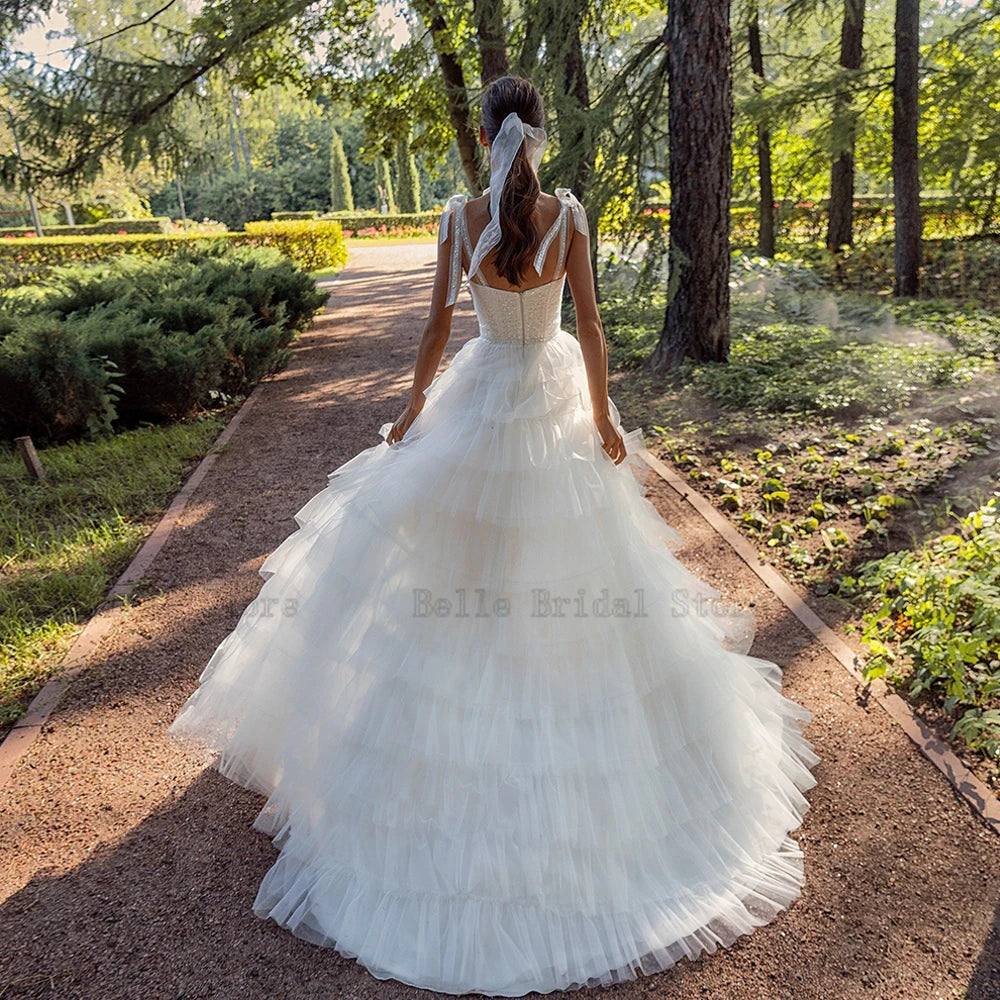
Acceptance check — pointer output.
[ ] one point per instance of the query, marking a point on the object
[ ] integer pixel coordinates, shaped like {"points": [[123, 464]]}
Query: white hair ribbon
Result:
{"points": [[503, 150]]}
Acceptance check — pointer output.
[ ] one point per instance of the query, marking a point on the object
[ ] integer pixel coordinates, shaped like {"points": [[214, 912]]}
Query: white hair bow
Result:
{"points": [[504, 149]]}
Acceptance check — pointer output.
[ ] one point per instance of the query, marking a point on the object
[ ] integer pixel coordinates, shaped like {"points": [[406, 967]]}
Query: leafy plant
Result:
{"points": [[933, 622]]}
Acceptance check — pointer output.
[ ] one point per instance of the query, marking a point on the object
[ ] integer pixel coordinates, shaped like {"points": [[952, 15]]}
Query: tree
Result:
{"points": [[383, 185], [696, 322], [456, 92], [840, 228], [765, 238], [129, 102], [905, 152], [341, 193], [407, 181], [492, 39]]}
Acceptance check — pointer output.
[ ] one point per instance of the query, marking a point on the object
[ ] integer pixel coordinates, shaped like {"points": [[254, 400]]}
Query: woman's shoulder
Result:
{"points": [[461, 198], [477, 208]]}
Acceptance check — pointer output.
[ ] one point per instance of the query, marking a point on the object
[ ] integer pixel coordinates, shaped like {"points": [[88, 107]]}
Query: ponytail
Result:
{"points": [[516, 251]]}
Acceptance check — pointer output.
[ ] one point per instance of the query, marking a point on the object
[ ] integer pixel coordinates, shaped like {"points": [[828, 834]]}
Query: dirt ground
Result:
{"points": [[129, 868]]}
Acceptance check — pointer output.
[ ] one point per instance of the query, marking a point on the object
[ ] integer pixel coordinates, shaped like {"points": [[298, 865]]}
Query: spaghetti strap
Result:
{"points": [[454, 213], [453, 221]]}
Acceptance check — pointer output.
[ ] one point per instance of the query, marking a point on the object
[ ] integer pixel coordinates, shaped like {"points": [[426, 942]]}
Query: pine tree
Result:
{"points": [[341, 195], [383, 186], [407, 179]]}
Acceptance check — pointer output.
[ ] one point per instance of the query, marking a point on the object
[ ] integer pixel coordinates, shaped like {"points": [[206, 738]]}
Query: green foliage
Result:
{"points": [[52, 385], [30, 259], [812, 369], [132, 99], [933, 623], [384, 196], [311, 214], [312, 245], [341, 194], [407, 180], [63, 541], [235, 198], [136, 339], [362, 220], [160, 224]]}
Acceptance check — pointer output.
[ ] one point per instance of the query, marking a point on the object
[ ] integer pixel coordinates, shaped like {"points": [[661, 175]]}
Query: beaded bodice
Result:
{"points": [[507, 315]]}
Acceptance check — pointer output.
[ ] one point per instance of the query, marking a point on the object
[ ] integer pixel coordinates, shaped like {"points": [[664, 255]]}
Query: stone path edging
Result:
{"points": [[29, 725], [975, 792]]}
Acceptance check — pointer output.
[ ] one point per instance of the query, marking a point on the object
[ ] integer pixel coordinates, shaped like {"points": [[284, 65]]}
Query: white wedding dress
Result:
{"points": [[508, 742]]}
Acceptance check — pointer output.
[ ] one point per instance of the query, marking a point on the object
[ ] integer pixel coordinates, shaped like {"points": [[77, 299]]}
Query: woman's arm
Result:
{"points": [[593, 346], [433, 341]]}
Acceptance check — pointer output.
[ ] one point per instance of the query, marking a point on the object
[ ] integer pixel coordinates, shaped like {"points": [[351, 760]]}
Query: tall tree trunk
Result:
{"points": [[563, 26], [905, 153], [765, 237], [492, 39], [840, 229], [700, 122], [235, 149], [573, 105], [239, 128], [457, 94]]}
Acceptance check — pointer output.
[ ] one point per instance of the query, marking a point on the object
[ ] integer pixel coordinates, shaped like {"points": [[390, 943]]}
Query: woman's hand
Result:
{"points": [[611, 440], [402, 425]]}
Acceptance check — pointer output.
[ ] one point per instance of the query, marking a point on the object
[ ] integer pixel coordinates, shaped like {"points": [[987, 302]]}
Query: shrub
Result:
{"points": [[52, 386], [173, 333], [311, 244], [296, 215], [361, 220], [31, 259], [159, 224], [933, 624]]}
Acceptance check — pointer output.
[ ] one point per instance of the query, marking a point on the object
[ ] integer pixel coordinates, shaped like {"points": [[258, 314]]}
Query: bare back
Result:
{"points": [[544, 216]]}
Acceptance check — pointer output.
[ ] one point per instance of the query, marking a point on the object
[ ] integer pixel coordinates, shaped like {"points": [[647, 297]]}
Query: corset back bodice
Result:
{"points": [[518, 317], [511, 316]]}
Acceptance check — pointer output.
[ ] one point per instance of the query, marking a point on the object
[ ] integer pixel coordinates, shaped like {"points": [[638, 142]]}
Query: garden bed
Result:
{"points": [[845, 429]]}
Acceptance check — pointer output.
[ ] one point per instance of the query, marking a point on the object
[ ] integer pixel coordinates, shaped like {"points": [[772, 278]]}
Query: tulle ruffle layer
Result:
{"points": [[508, 741], [504, 946]]}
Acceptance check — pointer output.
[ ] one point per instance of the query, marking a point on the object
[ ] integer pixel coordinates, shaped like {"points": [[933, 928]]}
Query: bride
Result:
{"points": [[507, 741]]}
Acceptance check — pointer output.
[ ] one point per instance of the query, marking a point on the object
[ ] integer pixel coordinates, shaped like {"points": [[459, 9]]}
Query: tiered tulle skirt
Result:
{"points": [[508, 742]]}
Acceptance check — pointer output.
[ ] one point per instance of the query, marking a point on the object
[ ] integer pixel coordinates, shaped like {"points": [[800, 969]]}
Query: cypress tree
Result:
{"points": [[407, 180], [341, 195], [383, 180]]}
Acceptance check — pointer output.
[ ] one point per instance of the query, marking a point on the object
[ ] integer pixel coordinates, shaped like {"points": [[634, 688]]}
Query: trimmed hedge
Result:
{"points": [[281, 216], [312, 244], [138, 339], [873, 217], [158, 224], [28, 259], [362, 220]]}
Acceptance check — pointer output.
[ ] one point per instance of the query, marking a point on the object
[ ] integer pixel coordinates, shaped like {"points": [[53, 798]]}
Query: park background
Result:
{"points": [[794, 215]]}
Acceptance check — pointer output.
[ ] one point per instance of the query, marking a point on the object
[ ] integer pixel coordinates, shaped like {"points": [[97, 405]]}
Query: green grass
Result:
{"points": [[64, 540], [842, 437]]}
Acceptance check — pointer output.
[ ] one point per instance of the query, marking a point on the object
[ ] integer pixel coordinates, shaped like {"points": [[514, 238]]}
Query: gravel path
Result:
{"points": [[129, 868]]}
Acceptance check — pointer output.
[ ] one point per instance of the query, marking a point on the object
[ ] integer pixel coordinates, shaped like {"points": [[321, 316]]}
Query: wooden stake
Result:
{"points": [[30, 457]]}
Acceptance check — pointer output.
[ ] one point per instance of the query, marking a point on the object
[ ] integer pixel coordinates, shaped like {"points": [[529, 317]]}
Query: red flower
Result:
{"points": [[122, 232]]}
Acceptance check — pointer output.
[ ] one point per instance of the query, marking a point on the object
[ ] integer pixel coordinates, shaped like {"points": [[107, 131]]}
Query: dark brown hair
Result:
{"points": [[515, 251]]}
